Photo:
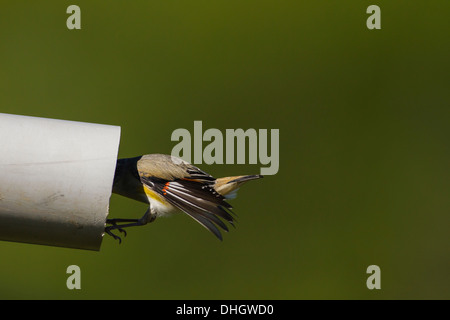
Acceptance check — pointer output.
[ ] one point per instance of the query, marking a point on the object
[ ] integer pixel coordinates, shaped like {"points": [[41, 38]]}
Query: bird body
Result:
{"points": [[169, 184]]}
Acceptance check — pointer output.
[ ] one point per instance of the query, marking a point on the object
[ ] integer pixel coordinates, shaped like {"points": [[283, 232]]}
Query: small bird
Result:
{"points": [[167, 184]]}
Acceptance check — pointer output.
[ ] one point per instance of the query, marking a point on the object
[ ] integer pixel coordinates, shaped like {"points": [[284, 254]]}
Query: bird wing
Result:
{"points": [[196, 197], [170, 168]]}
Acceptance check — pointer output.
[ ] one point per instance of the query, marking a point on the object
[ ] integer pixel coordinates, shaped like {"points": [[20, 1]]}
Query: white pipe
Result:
{"points": [[55, 180]]}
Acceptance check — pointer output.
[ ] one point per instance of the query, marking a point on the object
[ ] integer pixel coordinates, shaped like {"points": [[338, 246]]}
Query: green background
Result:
{"points": [[364, 120]]}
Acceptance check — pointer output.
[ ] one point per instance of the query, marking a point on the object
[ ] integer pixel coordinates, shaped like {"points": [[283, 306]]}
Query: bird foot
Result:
{"points": [[114, 226], [131, 223], [108, 231]]}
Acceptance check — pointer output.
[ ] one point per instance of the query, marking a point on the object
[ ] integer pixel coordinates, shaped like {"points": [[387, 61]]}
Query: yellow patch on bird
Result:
{"points": [[153, 195], [157, 202]]}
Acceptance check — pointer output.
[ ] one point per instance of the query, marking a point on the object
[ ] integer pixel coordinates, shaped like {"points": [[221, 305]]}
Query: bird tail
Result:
{"points": [[228, 186]]}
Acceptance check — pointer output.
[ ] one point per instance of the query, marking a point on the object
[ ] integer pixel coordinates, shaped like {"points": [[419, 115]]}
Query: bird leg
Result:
{"points": [[146, 218], [114, 222]]}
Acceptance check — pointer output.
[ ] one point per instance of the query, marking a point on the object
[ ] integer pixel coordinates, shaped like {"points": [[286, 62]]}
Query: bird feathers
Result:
{"points": [[197, 199], [167, 182]]}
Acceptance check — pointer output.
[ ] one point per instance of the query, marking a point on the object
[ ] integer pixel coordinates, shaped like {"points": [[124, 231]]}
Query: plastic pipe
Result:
{"points": [[56, 179]]}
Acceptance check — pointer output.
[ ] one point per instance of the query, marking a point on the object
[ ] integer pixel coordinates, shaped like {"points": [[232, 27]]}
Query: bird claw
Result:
{"points": [[116, 226], [120, 227], [108, 231], [123, 231]]}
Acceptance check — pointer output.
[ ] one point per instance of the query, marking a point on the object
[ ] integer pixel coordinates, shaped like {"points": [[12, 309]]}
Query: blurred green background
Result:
{"points": [[364, 120]]}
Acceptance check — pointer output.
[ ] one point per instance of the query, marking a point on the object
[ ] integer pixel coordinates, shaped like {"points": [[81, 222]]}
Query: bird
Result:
{"points": [[169, 184]]}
